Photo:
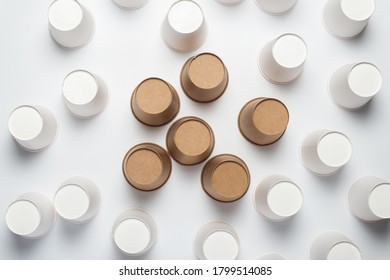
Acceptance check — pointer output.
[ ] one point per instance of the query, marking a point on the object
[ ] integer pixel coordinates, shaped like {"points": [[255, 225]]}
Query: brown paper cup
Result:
{"points": [[225, 178], [263, 121], [204, 77], [190, 140], [155, 102], [147, 166]]}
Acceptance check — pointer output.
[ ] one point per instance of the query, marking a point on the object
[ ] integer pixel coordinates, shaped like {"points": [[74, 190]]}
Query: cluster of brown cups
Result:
{"points": [[190, 140]]}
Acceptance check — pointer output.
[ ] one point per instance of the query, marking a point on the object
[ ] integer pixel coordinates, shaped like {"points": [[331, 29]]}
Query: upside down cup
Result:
{"points": [[277, 198], [324, 152], [31, 215], [204, 77], [368, 199], [71, 25], [282, 60], [353, 85], [346, 19], [190, 140], [134, 232], [85, 94], [184, 28], [155, 102], [147, 166], [225, 178], [216, 240], [333, 245], [78, 199], [263, 121], [34, 128]]}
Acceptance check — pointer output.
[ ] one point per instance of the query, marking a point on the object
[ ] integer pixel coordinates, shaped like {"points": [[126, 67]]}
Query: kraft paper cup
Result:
{"points": [[368, 199], [31, 215], [275, 7], [333, 245], [130, 4], [85, 94], [204, 77], [346, 19], [184, 28], [155, 102], [147, 166], [134, 232], [190, 140], [78, 199], [324, 152], [353, 85], [281, 61], [229, 2], [271, 256], [263, 121], [216, 240], [71, 25], [34, 128], [277, 198], [225, 178]]}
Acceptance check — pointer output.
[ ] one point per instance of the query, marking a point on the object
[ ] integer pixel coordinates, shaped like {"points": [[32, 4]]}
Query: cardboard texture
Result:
{"points": [[155, 102], [147, 166], [263, 121], [190, 140], [204, 77], [225, 178]]}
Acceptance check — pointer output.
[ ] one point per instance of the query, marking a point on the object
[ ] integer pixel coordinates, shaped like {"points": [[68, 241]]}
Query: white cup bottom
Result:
{"points": [[220, 245], [334, 149], [344, 251], [23, 217], [132, 236]]}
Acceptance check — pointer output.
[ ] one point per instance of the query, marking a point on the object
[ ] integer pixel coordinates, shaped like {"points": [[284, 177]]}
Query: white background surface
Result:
{"points": [[126, 49]]}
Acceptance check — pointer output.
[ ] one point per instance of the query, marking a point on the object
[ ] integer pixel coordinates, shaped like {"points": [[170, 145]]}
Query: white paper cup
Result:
{"points": [[275, 7], [71, 25], [368, 199], [333, 245], [31, 215], [184, 28], [85, 94], [34, 128], [277, 198], [324, 152], [353, 85], [134, 232], [271, 256], [77, 200], [229, 2], [346, 19], [216, 240], [281, 61], [130, 4]]}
